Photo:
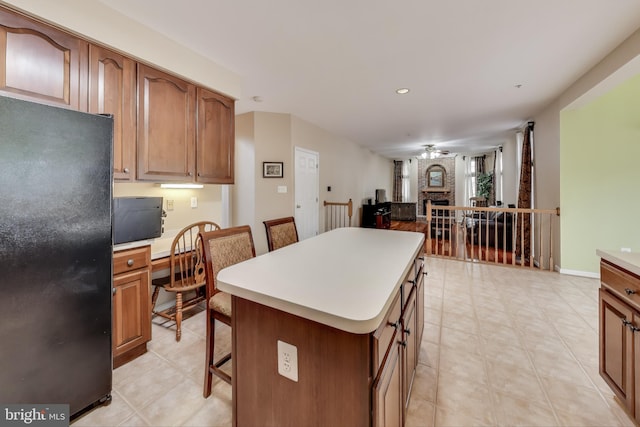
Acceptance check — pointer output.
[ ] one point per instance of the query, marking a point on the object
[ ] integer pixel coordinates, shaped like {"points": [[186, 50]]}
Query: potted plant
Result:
{"points": [[484, 184]]}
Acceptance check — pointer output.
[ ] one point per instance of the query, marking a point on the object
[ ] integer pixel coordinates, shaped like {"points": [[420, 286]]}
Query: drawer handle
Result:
{"points": [[395, 325], [130, 262], [407, 331], [629, 291], [625, 322], [403, 343]]}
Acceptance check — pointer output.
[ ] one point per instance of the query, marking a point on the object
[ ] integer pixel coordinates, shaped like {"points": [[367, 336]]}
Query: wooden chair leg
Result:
{"points": [[208, 376], [178, 315], [154, 297]]}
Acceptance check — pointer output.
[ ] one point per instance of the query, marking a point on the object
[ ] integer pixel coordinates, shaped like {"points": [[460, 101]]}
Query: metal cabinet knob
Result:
{"points": [[126, 170], [629, 291], [130, 262], [113, 291]]}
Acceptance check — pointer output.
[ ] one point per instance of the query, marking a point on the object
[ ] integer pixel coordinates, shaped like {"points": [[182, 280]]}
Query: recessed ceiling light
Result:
{"points": [[402, 90]]}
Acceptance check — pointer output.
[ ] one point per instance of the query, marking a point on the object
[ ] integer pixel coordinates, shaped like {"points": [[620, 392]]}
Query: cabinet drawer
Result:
{"points": [[621, 282], [131, 259], [384, 334]]}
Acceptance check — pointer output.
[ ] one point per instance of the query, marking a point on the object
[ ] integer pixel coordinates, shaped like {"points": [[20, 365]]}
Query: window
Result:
{"points": [[469, 179], [406, 181]]}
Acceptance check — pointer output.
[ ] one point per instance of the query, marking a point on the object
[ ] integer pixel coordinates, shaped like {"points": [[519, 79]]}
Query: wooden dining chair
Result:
{"points": [[281, 232], [186, 274], [221, 249]]}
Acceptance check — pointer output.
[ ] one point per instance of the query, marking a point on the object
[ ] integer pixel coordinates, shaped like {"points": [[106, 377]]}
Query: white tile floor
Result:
{"points": [[502, 347]]}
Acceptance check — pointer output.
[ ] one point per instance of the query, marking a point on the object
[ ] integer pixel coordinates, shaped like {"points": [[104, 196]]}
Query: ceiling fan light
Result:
{"points": [[424, 155]]}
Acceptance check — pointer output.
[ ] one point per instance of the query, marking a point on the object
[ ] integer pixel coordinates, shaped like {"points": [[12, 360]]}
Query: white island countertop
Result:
{"points": [[630, 261], [345, 278]]}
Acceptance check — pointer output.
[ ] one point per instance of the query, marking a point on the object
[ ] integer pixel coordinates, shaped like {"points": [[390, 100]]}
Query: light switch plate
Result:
{"points": [[282, 188], [194, 202]]}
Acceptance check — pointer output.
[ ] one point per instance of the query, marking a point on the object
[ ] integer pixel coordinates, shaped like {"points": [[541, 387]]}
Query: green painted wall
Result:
{"points": [[600, 177]]}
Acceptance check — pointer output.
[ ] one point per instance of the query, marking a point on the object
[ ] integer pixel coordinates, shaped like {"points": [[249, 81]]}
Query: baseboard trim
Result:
{"points": [[578, 273]]}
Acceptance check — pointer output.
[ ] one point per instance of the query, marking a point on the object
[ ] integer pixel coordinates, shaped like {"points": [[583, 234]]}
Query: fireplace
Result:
{"points": [[438, 212]]}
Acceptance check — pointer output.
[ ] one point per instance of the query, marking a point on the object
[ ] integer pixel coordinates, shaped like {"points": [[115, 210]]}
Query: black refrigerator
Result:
{"points": [[55, 255]]}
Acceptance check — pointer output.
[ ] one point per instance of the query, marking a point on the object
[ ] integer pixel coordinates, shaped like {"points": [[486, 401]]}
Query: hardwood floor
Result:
{"points": [[452, 248]]}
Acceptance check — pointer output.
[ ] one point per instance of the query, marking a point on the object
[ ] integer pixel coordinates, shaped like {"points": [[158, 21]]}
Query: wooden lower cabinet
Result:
{"points": [[619, 336], [131, 304], [387, 390]]}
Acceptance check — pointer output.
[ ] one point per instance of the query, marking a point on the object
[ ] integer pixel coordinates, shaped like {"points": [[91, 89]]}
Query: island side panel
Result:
{"points": [[334, 369]]}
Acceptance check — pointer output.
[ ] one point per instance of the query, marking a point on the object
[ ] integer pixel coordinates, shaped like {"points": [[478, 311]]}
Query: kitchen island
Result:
{"points": [[350, 305]]}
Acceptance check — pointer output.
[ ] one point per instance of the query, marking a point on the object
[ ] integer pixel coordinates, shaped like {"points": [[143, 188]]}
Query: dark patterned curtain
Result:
{"points": [[397, 180], [524, 198], [479, 164]]}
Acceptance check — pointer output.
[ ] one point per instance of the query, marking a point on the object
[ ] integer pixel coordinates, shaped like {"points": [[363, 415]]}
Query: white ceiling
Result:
{"points": [[337, 63]]}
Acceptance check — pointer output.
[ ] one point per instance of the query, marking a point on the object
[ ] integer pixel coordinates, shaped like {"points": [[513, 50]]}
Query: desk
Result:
{"points": [[344, 299], [160, 263]]}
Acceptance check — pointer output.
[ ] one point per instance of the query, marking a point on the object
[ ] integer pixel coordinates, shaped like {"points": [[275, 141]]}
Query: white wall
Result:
{"points": [[351, 171], [547, 130]]}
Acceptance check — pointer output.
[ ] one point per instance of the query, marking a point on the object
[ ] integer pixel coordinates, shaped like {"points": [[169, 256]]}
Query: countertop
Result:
{"points": [[630, 261], [345, 278], [160, 247]]}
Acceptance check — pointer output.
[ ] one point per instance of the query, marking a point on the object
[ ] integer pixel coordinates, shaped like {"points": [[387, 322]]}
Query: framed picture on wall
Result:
{"points": [[272, 169]]}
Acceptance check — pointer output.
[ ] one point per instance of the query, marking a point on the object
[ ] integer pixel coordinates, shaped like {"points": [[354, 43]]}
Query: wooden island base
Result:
{"points": [[333, 371], [352, 324], [343, 378]]}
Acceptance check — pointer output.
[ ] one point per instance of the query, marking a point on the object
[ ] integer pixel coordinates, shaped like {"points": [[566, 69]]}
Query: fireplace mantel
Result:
{"points": [[436, 190]]}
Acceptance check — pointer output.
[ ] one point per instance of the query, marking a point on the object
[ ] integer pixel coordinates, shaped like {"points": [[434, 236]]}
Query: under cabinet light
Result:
{"points": [[181, 186]]}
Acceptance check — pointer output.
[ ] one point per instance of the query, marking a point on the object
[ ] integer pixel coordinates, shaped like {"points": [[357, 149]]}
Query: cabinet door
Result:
{"points": [[420, 303], [215, 138], [410, 347], [616, 347], [41, 64], [131, 311], [636, 367], [387, 390], [112, 90], [166, 127]]}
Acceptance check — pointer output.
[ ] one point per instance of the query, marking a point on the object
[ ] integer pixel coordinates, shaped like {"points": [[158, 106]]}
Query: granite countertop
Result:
{"points": [[630, 261], [345, 278]]}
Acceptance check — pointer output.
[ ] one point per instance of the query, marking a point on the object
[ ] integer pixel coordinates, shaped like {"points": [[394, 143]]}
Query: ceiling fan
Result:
{"points": [[431, 152]]}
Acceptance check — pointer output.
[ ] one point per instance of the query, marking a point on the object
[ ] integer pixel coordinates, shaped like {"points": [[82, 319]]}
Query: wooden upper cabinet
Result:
{"points": [[215, 138], [39, 63], [166, 126], [112, 90]]}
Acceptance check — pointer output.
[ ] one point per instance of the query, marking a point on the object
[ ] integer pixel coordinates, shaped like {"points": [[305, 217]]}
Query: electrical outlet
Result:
{"points": [[625, 249], [288, 360], [194, 202], [169, 205]]}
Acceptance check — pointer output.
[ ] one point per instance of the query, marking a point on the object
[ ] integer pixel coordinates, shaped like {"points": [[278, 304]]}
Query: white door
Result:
{"points": [[307, 190]]}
